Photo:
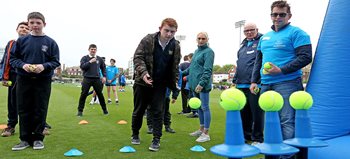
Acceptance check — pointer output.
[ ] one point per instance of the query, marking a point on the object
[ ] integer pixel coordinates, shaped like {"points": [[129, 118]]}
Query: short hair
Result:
{"points": [[190, 55], [92, 46], [169, 21], [281, 4], [185, 58], [112, 60], [36, 15], [22, 23]]}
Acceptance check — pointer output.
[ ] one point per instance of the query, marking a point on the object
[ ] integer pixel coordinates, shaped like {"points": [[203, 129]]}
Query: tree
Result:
{"points": [[216, 68]]}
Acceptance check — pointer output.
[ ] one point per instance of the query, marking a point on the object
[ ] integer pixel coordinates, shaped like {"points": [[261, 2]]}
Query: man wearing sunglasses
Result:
{"points": [[287, 49]]}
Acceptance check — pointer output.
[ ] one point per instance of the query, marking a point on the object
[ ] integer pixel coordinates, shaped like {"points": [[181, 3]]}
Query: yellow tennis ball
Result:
{"points": [[232, 99], [301, 100], [265, 72], [194, 103], [267, 65], [271, 101], [9, 83]]}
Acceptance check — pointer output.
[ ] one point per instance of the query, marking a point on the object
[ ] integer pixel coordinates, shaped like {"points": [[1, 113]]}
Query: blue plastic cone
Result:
{"points": [[303, 133], [234, 146], [273, 144], [127, 149], [198, 148], [73, 152]]}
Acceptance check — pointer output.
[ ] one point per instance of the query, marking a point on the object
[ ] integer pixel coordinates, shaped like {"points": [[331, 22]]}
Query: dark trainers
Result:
{"points": [[150, 130], [117, 102], [169, 130], [135, 140], [80, 113], [38, 145], [21, 146], [109, 101], [105, 112], [155, 145], [8, 132]]}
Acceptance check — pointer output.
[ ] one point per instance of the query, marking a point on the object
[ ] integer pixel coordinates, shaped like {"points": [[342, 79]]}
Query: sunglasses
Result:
{"points": [[249, 30], [279, 14], [201, 38]]}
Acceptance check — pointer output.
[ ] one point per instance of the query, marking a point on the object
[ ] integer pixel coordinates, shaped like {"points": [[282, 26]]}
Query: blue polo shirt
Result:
{"points": [[112, 71], [279, 48]]}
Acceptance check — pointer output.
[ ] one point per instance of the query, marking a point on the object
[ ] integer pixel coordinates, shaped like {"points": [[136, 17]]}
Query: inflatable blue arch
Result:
{"points": [[329, 84]]}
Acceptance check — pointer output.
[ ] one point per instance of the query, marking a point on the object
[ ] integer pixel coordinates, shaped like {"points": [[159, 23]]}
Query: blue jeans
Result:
{"points": [[204, 111], [287, 113]]}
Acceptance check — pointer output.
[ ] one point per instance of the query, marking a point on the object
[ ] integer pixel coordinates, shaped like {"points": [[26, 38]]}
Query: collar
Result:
{"points": [[91, 56], [274, 29]]}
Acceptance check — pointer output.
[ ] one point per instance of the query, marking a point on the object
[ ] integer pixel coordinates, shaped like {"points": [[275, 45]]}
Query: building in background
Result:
{"points": [[2, 51], [130, 69]]}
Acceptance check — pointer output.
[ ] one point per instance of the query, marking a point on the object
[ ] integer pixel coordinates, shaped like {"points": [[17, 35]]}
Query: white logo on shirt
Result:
{"points": [[266, 38], [44, 48]]}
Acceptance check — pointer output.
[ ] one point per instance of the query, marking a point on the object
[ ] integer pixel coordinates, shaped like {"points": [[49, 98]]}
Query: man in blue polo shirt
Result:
{"points": [[112, 75], [288, 49]]}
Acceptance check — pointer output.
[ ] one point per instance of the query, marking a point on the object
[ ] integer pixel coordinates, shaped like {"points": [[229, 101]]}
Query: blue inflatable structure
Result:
{"points": [[329, 84]]}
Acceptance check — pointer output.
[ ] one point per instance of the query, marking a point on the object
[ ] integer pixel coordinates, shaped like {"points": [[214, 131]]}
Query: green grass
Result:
{"points": [[102, 137]]}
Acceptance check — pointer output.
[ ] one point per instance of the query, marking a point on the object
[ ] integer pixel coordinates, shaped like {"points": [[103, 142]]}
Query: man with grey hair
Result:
{"points": [[252, 115]]}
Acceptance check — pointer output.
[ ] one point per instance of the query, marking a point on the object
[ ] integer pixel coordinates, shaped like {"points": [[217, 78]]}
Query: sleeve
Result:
{"points": [[54, 58], [84, 63], [257, 66], [208, 69], [103, 67], [139, 58], [303, 58], [15, 56]]}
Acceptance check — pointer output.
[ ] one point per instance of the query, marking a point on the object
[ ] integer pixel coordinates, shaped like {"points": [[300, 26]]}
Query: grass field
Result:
{"points": [[102, 137]]}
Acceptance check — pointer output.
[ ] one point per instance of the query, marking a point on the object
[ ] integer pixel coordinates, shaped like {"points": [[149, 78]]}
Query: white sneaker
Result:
{"points": [[97, 101], [92, 101], [203, 138], [197, 133]]}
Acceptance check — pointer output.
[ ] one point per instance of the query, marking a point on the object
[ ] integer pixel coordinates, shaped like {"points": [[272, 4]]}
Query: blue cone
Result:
{"points": [[234, 146], [127, 149], [273, 144], [198, 148], [73, 152], [303, 133]]}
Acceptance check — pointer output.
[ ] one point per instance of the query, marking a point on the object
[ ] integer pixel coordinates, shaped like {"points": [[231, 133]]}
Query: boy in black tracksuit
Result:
{"points": [[35, 58], [91, 66]]}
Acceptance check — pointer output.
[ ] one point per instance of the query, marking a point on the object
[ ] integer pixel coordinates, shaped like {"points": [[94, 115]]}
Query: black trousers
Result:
{"points": [[166, 114], [11, 103], [32, 95], [97, 84], [252, 117], [184, 98], [154, 98]]}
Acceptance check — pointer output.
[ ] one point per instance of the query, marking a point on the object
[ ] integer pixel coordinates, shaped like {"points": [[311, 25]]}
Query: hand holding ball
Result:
{"points": [[300, 100], [194, 103], [271, 101], [267, 66], [232, 99]]}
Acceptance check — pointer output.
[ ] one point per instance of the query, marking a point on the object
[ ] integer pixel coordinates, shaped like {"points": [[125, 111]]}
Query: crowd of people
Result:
{"points": [[159, 78]]}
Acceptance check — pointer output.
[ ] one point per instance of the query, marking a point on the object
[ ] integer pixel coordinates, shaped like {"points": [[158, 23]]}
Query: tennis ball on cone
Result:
{"points": [[271, 101], [194, 103], [232, 99], [301, 100]]}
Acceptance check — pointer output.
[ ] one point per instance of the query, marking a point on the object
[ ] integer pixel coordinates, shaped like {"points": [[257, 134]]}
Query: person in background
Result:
{"points": [[91, 65], [287, 49], [252, 115], [156, 63], [35, 58], [112, 75], [200, 74], [184, 92], [122, 83], [8, 77]]}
